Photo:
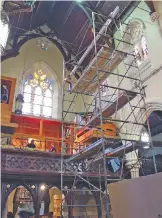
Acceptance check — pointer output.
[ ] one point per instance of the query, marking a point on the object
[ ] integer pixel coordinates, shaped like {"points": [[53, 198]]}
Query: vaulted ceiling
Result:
{"points": [[68, 24]]}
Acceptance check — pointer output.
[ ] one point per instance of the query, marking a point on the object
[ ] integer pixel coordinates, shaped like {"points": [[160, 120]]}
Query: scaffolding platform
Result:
{"points": [[108, 111], [94, 148], [108, 59], [89, 135]]}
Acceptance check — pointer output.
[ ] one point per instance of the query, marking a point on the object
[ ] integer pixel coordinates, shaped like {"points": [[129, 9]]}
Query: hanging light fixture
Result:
{"points": [[4, 30]]}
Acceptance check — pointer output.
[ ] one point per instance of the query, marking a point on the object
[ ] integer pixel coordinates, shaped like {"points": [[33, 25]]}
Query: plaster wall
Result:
{"points": [[29, 55]]}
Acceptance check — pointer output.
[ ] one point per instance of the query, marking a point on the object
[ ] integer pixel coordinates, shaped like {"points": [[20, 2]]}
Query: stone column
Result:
{"points": [[133, 163]]}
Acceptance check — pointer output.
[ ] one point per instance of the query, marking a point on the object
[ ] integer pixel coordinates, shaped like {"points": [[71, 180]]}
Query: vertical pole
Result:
{"points": [[62, 138], [101, 120], [100, 188]]}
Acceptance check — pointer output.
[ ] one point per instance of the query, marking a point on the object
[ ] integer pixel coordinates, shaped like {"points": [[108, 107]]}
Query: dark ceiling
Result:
{"points": [[69, 23]]}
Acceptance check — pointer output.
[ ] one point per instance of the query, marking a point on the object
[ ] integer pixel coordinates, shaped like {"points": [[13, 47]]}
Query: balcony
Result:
{"points": [[38, 165]]}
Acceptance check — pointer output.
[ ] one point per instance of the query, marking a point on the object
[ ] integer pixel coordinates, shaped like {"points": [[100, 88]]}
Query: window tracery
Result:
{"points": [[37, 91], [135, 35]]}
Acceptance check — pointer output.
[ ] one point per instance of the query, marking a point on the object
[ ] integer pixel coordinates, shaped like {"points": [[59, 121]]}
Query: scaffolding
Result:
{"points": [[109, 112]]}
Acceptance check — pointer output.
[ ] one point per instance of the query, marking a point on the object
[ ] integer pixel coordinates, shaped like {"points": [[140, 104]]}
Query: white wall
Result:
{"points": [[152, 82], [32, 56]]}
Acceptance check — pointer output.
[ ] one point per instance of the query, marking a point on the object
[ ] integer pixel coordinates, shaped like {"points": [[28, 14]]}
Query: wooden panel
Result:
{"points": [[137, 198], [90, 135], [45, 132]]}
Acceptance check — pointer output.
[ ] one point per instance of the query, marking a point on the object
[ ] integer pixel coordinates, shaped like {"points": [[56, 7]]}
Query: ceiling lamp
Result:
{"points": [[43, 44], [4, 30], [42, 187]]}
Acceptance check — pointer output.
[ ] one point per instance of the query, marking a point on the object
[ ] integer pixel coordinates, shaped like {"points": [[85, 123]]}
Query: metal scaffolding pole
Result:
{"points": [[101, 119]]}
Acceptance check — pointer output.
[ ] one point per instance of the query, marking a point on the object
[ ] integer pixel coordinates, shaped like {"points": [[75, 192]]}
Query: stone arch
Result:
{"points": [[26, 39], [55, 201], [11, 196], [142, 115], [52, 75], [151, 105]]}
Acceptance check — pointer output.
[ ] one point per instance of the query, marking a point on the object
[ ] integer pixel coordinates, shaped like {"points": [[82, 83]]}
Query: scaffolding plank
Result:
{"points": [[93, 148], [85, 82], [108, 111]]}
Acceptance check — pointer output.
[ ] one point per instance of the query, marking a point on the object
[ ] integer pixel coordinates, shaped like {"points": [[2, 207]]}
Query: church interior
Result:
{"points": [[81, 109]]}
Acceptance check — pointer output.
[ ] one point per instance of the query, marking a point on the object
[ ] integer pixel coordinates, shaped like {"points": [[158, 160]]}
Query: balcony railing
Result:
{"points": [[16, 161]]}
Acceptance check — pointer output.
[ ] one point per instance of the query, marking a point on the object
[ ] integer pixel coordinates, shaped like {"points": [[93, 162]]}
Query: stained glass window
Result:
{"points": [[38, 90]]}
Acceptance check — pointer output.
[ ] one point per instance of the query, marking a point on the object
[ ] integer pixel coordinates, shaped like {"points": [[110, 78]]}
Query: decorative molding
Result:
{"points": [[18, 161]]}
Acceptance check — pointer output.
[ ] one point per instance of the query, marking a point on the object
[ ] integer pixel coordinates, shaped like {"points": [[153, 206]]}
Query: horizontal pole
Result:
{"points": [[122, 89], [109, 72], [124, 121]]}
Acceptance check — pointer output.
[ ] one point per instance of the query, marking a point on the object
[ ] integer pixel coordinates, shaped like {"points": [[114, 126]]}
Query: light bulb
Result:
{"points": [[42, 187]]}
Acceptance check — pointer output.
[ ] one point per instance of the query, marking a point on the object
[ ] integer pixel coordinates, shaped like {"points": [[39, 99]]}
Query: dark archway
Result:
{"points": [[18, 198], [146, 153]]}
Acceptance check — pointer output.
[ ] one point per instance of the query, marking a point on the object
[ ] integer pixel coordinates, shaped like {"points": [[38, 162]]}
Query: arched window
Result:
{"points": [[37, 90], [135, 34]]}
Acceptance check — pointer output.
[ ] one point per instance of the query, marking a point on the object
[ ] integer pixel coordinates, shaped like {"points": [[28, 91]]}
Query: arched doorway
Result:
{"points": [[146, 153], [55, 203], [19, 203], [84, 204]]}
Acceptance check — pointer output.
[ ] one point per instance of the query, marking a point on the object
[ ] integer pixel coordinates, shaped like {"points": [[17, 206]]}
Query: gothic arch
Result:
{"points": [[141, 116], [8, 188]]}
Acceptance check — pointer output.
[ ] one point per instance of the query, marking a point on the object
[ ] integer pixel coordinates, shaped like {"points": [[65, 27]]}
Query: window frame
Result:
{"points": [[32, 102]]}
